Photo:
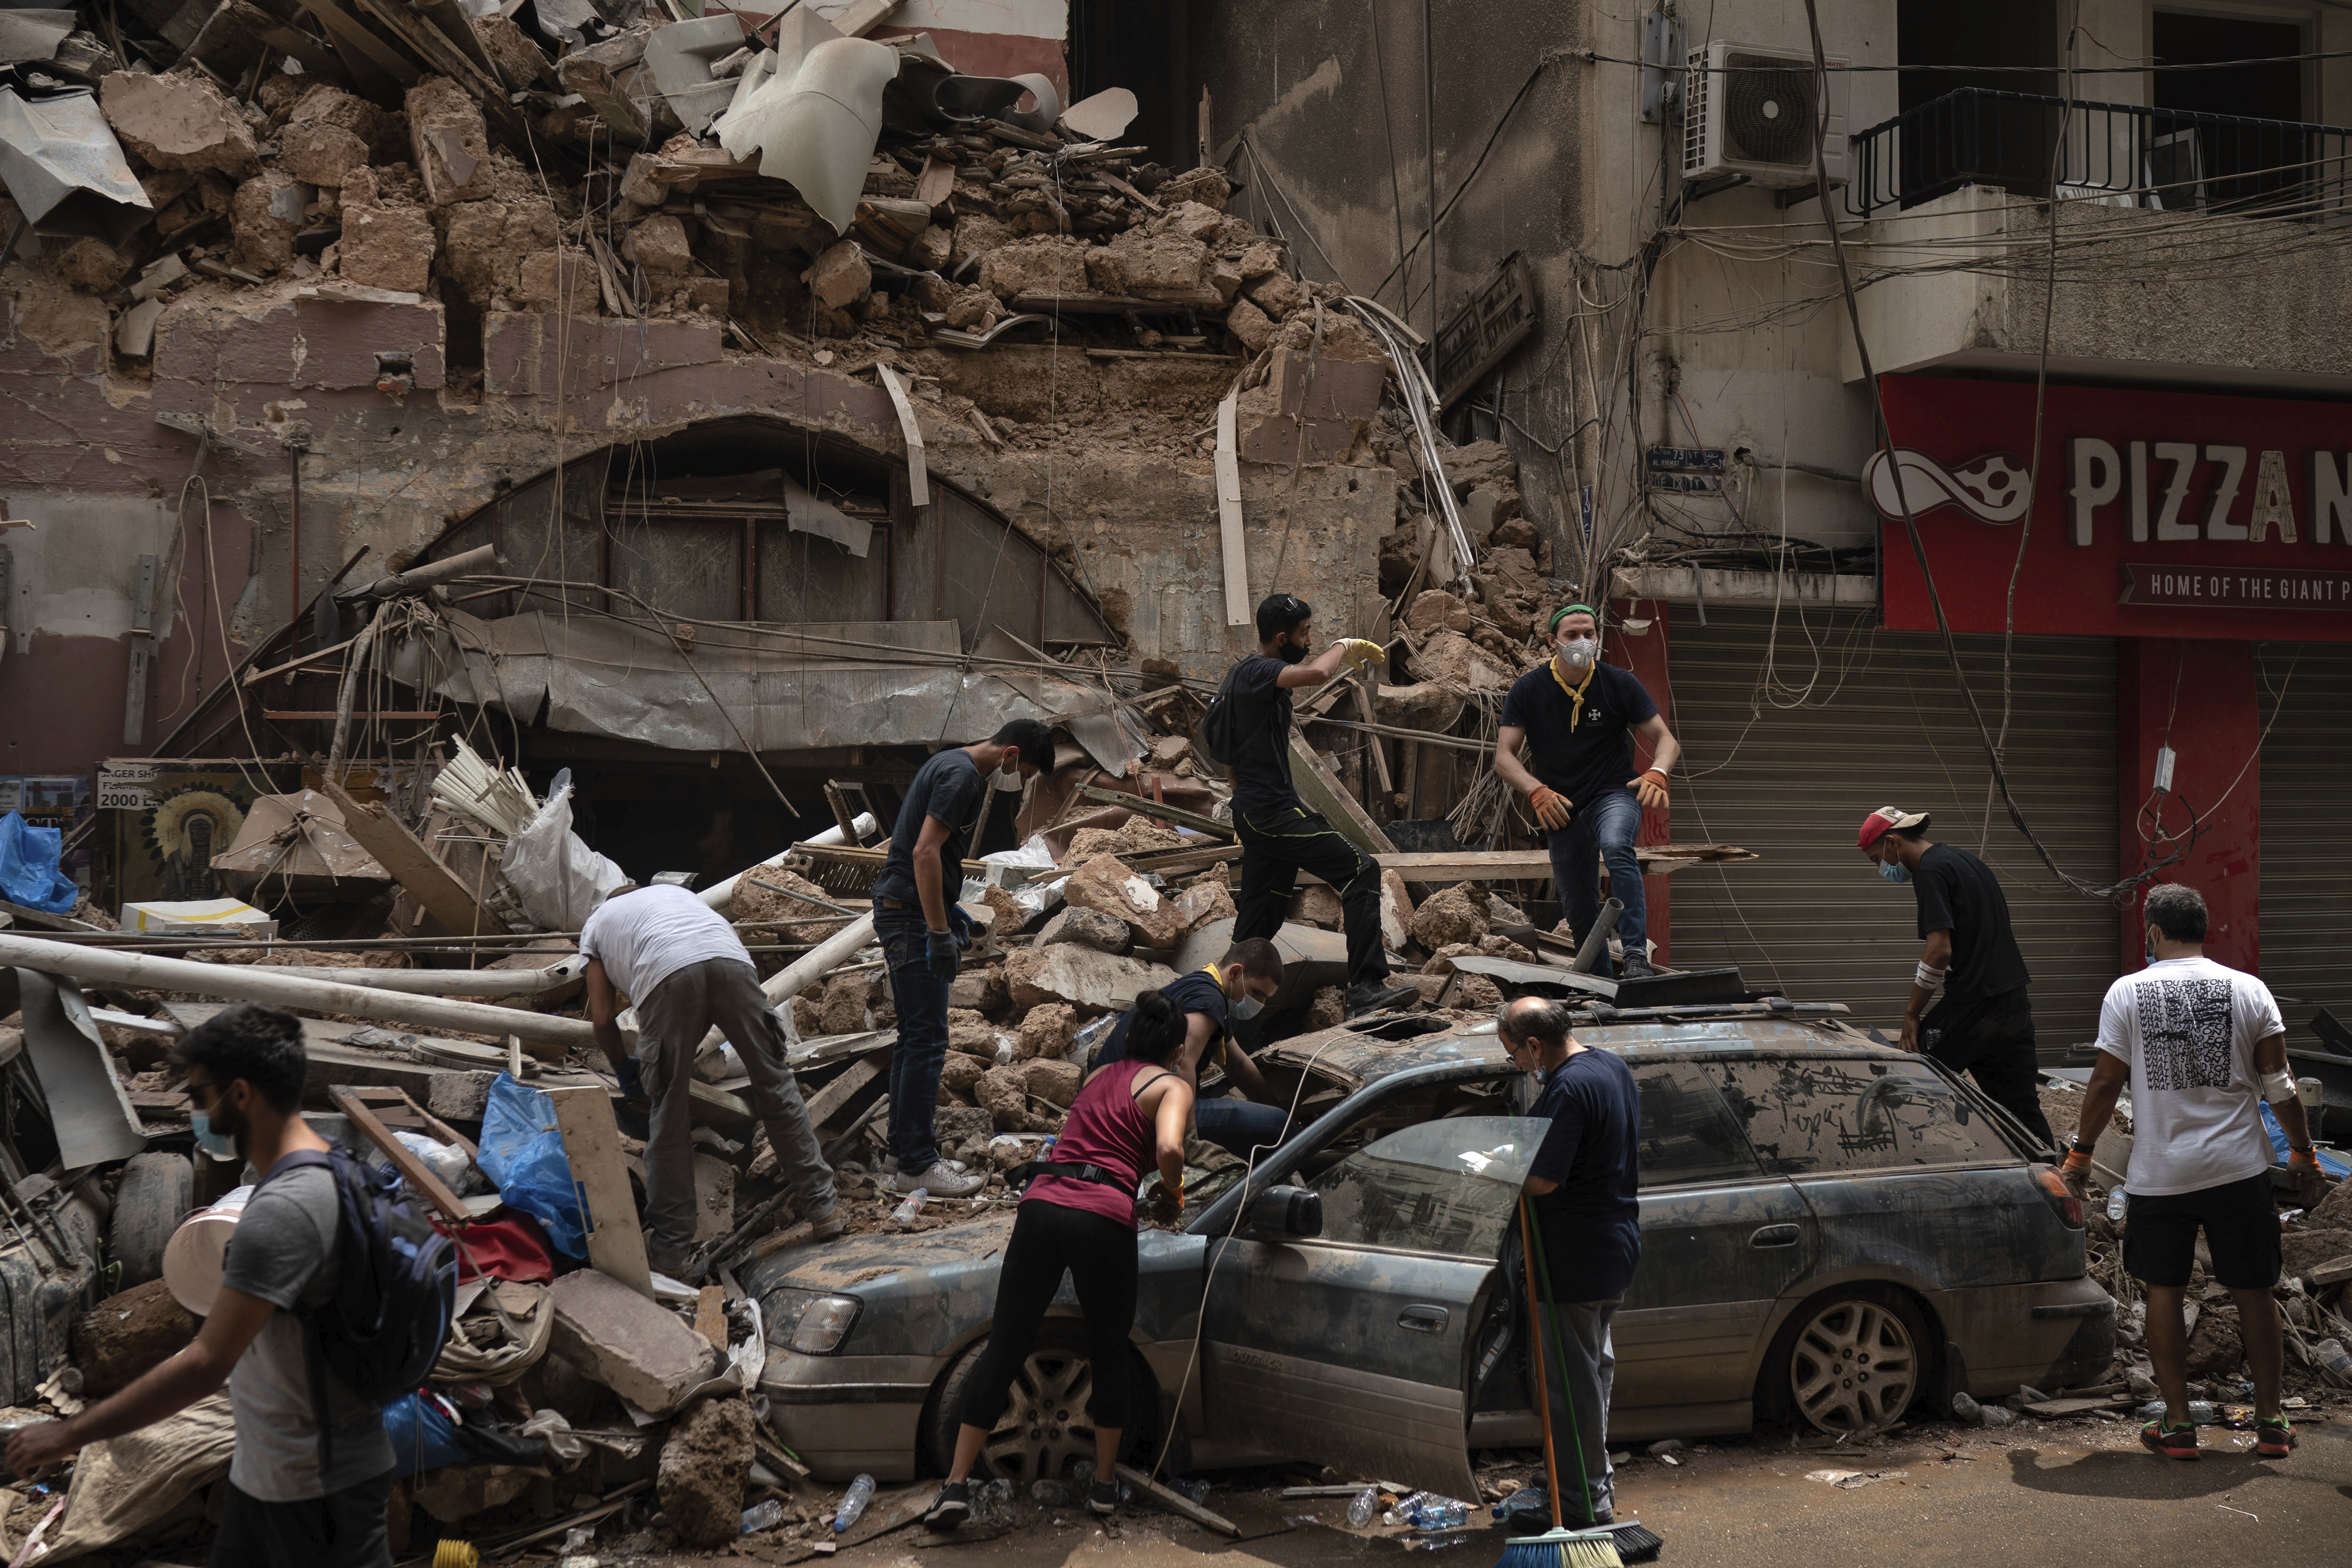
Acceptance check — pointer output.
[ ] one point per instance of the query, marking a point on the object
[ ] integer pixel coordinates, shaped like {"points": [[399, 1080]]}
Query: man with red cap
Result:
{"points": [[1984, 1025]]}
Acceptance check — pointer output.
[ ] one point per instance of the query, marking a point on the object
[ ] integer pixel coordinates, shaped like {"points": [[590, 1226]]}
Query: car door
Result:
{"points": [[1351, 1347], [1721, 1243]]}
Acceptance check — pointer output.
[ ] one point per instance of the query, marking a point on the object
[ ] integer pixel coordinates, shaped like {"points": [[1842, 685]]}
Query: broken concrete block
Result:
{"points": [[638, 182], [930, 250], [840, 277], [1277, 294], [521, 64], [459, 1096], [1251, 325], [1457, 914], [320, 153], [174, 122], [958, 1072], [1049, 264], [325, 104], [1435, 610], [1090, 982], [1004, 1093], [705, 1463], [1202, 903], [449, 144], [264, 217], [1188, 220], [1226, 277], [1088, 842], [567, 282], [1051, 1081], [976, 235], [846, 998], [1328, 1009], [124, 1335], [1107, 884], [387, 247], [1261, 259], [1207, 186], [706, 293], [641, 1352], [1088, 928], [658, 243], [1160, 264], [480, 251], [1424, 705], [1316, 906], [1046, 1030], [1396, 909]]}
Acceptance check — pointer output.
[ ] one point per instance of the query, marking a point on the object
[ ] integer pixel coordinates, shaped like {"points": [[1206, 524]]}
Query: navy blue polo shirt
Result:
{"points": [[1582, 749], [949, 787], [1199, 992], [1592, 1222]]}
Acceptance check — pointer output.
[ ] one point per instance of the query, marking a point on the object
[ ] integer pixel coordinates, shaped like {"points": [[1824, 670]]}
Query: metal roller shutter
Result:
{"points": [[2305, 690], [1884, 723]]}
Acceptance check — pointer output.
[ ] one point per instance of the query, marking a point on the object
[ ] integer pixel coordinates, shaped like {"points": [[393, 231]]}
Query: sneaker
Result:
{"points": [[950, 1508], [940, 1180], [1635, 967], [1102, 1498], [2273, 1437], [2172, 1442], [1374, 997]]}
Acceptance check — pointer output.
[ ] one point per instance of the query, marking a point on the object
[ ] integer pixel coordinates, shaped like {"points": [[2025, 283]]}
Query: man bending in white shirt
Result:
{"points": [[2201, 1046]]}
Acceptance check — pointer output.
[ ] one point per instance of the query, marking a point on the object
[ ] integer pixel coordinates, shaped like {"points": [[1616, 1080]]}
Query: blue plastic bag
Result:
{"points": [[2328, 1163], [424, 1438], [522, 1154], [29, 873]]}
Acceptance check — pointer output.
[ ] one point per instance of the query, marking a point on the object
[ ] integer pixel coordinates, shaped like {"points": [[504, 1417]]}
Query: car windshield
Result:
{"points": [[1443, 1186]]}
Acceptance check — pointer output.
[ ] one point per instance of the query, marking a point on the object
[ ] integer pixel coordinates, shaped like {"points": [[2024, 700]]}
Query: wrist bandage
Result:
{"points": [[1925, 977], [2278, 1088]]}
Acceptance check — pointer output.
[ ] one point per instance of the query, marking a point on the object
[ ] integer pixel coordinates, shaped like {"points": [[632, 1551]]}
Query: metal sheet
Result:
{"points": [[32, 35], [299, 835], [806, 513], [2305, 689], [65, 170], [89, 1111], [680, 57]]}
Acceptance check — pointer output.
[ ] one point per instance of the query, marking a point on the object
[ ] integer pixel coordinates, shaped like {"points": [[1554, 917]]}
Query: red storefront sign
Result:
{"points": [[2157, 514]]}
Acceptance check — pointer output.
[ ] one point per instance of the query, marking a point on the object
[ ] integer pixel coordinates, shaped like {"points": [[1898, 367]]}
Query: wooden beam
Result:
{"points": [[253, 676], [411, 864], [1239, 611], [1380, 752], [827, 1102], [1143, 805], [1177, 1502], [1325, 794], [592, 1143], [412, 1169]]}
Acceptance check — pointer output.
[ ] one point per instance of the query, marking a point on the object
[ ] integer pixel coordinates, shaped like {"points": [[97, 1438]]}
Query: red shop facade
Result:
{"points": [[2211, 538]]}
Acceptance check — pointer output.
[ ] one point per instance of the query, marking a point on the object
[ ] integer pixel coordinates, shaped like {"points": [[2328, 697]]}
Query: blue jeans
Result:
{"points": [[1601, 830], [918, 989], [1239, 1125]]}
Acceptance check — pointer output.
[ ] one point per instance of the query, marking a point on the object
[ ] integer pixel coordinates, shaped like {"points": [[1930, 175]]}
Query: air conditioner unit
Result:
{"points": [[1750, 111]]}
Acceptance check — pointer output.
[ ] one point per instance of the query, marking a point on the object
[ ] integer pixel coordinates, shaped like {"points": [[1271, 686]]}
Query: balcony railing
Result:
{"points": [[2119, 154]]}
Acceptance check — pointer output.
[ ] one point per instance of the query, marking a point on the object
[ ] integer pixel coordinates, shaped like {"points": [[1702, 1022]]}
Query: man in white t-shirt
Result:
{"points": [[684, 969], [2201, 1046]]}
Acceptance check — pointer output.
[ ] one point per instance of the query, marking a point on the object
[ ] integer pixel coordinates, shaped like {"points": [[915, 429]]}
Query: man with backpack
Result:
{"points": [[1248, 730], [296, 1493]]}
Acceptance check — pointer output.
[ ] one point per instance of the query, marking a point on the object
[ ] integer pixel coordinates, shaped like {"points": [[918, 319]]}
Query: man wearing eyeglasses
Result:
{"points": [[246, 1069]]}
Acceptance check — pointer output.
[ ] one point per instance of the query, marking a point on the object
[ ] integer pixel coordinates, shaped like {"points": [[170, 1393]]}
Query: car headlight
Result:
{"points": [[808, 1322]]}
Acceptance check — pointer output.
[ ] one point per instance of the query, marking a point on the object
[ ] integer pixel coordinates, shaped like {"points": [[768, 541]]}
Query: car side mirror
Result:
{"points": [[1294, 1213]]}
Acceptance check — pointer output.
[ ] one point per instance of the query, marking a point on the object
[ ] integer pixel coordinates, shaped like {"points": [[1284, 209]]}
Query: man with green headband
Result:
{"points": [[1566, 744]]}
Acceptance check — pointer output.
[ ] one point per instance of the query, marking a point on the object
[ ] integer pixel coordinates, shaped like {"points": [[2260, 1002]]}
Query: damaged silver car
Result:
{"points": [[1833, 1230]]}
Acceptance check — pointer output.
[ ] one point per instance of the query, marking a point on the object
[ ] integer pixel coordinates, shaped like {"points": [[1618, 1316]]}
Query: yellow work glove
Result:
{"points": [[1550, 807], [1651, 789], [1361, 653]]}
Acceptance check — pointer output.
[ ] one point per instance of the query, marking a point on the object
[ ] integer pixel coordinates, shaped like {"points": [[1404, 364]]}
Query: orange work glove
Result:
{"points": [[2075, 1171], [1550, 807], [1651, 787], [2311, 1182]]}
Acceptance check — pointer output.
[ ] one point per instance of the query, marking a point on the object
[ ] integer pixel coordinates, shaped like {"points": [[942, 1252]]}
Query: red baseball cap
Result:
{"points": [[1884, 820]]}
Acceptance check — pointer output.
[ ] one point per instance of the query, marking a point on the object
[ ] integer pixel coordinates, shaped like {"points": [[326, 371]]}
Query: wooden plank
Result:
{"points": [[434, 1125], [1175, 1501], [593, 83], [1525, 865], [591, 1141], [1324, 793], [379, 69], [1362, 684], [412, 1169], [919, 482], [827, 1102], [404, 855], [1143, 805], [253, 676], [1239, 611], [710, 1316]]}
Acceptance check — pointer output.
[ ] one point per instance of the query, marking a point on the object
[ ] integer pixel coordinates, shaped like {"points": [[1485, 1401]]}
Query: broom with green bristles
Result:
{"points": [[1558, 1547]]}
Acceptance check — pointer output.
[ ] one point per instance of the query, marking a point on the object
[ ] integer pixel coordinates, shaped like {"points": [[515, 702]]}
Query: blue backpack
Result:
{"points": [[395, 1291]]}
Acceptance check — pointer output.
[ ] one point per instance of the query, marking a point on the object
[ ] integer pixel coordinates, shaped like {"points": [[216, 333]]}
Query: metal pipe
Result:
{"points": [[452, 981], [1596, 943], [481, 558], [294, 536], [718, 892], [290, 988], [337, 749]]}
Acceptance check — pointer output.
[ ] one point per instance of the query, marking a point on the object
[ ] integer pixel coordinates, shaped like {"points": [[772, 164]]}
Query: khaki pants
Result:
{"points": [[671, 1023]]}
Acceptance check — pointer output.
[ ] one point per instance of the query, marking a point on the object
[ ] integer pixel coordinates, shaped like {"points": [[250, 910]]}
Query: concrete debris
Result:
{"points": [[1456, 915], [179, 122], [1088, 927], [642, 1352], [1090, 982], [705, 1463]]}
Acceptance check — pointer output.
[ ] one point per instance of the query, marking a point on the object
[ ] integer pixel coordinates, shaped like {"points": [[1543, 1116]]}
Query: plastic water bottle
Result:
{"points": [[853, 1501], [1967, 1409], [763, 1516], [2331, 1354], [910, 1211], [2117, 1202], [1367, 1503]]}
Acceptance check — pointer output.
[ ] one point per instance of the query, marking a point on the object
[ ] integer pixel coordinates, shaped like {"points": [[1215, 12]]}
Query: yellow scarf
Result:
{"points": [[1576, 693], [1218, 1055]]}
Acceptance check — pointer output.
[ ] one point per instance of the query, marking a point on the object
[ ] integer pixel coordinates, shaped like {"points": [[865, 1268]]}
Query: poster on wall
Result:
{"points": [[164, 848]]}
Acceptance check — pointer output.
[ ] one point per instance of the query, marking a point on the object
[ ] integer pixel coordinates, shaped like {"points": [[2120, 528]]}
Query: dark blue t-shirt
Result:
{"points": [[1199, 992], [1581, 750], [949, 787], [1592, 1221], [1262, 716]]}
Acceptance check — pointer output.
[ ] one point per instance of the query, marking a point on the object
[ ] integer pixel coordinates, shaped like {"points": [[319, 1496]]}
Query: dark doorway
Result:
{"points": [[2256, 158]]}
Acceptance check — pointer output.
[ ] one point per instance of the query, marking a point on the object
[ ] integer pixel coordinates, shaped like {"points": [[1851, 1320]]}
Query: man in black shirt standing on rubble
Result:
{"points": [[1279, 836]]}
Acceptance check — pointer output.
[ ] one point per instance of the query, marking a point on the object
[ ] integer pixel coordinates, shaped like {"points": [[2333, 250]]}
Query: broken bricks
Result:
{"points": [[642, 1352]]}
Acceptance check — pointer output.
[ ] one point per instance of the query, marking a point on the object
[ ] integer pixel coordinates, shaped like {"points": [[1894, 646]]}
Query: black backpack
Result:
{"points": [[395, 1291], [1216, 735]]}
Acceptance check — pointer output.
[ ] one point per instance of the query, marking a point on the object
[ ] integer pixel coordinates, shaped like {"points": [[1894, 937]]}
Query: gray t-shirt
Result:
{"points": [[283, 1250]]}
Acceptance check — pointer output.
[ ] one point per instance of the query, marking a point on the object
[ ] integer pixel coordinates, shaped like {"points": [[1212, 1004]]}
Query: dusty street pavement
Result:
{"points": [[2040, 1492]]}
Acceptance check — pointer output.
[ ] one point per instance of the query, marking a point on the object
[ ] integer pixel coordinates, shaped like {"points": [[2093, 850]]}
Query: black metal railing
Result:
{"points": [[2125, 154]]}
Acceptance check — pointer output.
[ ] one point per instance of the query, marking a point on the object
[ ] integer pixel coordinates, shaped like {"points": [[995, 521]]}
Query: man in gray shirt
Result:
{"points": [[246, 1072]]}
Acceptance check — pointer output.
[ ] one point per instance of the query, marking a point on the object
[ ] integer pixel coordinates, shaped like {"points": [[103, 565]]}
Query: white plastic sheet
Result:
{"points": [[559, 879]]}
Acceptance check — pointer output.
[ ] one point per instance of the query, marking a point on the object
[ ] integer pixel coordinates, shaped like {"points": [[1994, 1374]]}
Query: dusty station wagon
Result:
{"points": [[1832, 1229]]}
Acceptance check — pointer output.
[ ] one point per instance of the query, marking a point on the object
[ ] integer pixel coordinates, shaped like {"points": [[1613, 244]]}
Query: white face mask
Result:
{"points": [[1008, 780], [1580, 652]]}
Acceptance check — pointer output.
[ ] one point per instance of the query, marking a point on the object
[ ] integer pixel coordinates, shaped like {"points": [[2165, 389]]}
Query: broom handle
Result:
{"points": [[1567, 1397], [1534, 1331]]}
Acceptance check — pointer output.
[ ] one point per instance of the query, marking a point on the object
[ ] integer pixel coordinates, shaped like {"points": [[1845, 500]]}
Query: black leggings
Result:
{"points": [[1100, 1254]]}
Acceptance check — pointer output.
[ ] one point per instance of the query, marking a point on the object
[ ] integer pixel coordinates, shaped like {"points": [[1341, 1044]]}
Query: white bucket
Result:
{"points": [[192, 1257]]}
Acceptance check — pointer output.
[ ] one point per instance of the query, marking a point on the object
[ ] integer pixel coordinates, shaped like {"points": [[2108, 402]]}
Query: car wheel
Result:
{"points": [[156, 1193], [1045, 1429], [1849, 1360]]}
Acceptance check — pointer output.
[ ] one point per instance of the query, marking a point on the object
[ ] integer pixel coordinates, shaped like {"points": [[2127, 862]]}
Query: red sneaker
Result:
{"points": [[2273, 1437], [2172, 1442]]}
